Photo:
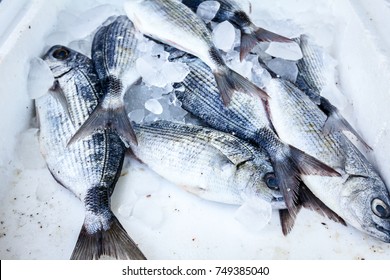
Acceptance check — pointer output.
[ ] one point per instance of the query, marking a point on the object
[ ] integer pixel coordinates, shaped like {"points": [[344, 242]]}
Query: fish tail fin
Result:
{"points": [[103, 119], [289, 164], [336, 122], [114, 242], [249, 40], [287, 220], [310, 201], [309, 165], [229, 81]]}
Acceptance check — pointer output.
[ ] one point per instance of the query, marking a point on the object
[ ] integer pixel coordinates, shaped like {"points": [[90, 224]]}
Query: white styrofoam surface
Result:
{"points": [[41, 220]]}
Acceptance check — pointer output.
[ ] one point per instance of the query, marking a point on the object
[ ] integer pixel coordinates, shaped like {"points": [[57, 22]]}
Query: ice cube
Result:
{"points": [[149, 213], [288, 51], [159, 52], [150, 71], [58, 38], [260, 76], [125, 210], [40, 78], [224, 36], [137, 115], [137, 95], [151, 118], [83, 46], [178, 113], [254, 214], [244, 68], [286, 69], [207, 10], [175, 72], [159, 72], [153, 106], [144, 45]]}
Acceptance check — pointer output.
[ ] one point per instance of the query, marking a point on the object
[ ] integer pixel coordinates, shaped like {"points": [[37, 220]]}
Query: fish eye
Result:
{"points": [[380, 208], [271, 181], [61, 54]]}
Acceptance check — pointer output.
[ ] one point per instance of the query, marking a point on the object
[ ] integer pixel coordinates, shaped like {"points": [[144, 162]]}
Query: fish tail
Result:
{"points": [[287, 175], [287, 220], [251, 38], [229, 81], [114, 242], [310, 201], [107, 119], [336, 122], [289, 164], [308, 165]]}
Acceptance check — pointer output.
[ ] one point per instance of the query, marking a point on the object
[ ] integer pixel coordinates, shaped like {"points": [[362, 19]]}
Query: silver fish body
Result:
{"points": [[173, 23], [231, 11], [90, 167], [360, 197], [114, 53], [312, 68], [247, 119], [317, 72], [211, 164]]}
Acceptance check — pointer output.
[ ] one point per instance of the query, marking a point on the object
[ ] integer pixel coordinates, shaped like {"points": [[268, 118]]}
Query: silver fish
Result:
{"points": [[230, 10], [114, 53], [211, 164], [313, 76], [360, 197], [247, 119], [90, 167], [173, 23]]}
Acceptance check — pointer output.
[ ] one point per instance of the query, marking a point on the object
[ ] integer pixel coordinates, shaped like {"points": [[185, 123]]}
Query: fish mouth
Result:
{"points": [[385, 231]]}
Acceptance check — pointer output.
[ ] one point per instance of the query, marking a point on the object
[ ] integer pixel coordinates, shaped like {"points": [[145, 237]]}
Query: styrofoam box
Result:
{"points": [[41, 220]]}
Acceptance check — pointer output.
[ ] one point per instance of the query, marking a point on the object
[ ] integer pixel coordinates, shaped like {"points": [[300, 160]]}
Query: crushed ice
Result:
{"points": [[254, 214], [224, 36], [207, 10], [40, 78]]}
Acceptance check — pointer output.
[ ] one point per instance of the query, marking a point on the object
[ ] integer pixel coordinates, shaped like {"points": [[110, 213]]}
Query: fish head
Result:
{"points": [[263, 181], [366, 203], [63, 60]]}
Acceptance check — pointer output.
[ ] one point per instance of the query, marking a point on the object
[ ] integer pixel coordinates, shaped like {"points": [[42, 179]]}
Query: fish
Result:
{"points": [[360, 197], [230, 10], [213, 165], [248, 120], [314, 70], [114, 54], [90, 167], [173, 23]]}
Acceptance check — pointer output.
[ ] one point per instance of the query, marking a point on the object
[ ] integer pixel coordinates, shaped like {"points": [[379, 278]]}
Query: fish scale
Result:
{"points": [[311, 67], [360, 197], [114, 53], [90, 167], [119, 48], [328, 147], [211, 164], [315, 74], [178, 14], [171, 22], [247, 118], [231, 11]]}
